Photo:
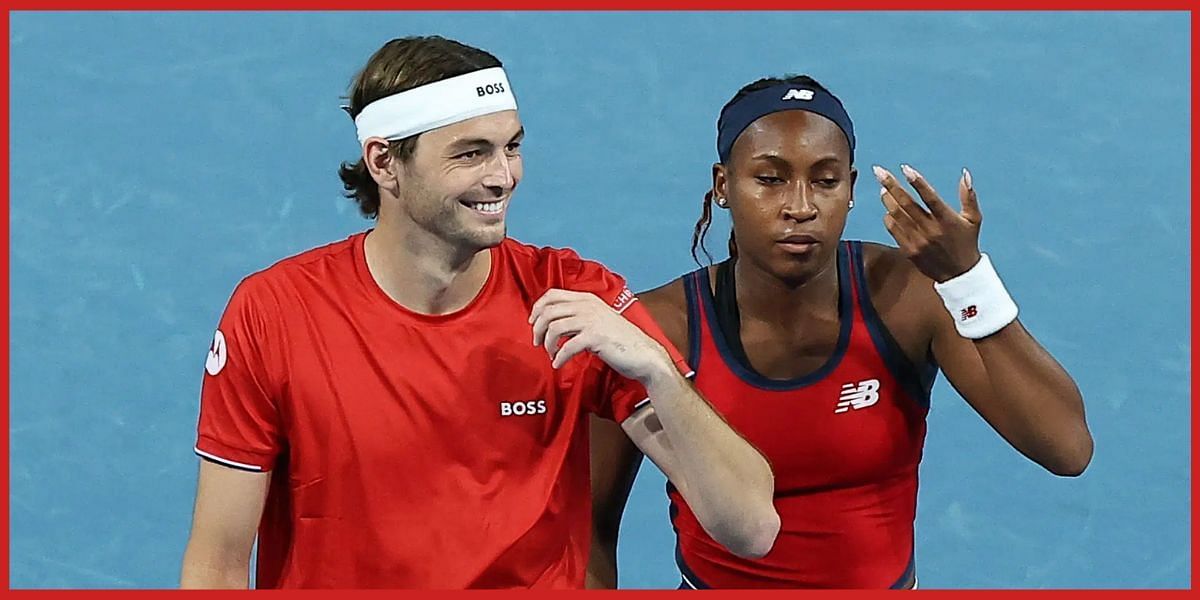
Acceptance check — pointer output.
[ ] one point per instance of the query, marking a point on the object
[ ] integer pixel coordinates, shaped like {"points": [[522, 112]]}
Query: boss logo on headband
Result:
{"points": [[489, 89], [794, 94]]}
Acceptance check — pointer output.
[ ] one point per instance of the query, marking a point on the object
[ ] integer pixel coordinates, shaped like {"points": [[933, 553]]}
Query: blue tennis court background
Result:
{"points": [[158, 158]]}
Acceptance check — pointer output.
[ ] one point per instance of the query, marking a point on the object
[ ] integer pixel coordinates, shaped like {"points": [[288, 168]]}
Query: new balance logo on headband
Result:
{"points": [[795, 94]]}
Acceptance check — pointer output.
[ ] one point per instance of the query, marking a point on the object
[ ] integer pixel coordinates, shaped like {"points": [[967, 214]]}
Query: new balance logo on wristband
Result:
{"points": [[858, 396], [969, 312]]}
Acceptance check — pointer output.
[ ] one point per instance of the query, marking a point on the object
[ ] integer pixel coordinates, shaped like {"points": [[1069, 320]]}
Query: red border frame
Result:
{"points": [[598, 5], [469, 5]]}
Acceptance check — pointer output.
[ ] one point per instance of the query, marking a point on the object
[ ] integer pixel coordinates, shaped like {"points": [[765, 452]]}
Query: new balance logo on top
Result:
{"points": [[795, 94], [858, 396]]}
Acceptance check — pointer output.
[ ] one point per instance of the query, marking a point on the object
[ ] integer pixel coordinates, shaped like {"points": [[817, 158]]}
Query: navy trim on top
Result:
{"points": [[679, 562], [752, 377], [909, 571], [693, 315], [689, 575], [918, 382], [672, 509]]}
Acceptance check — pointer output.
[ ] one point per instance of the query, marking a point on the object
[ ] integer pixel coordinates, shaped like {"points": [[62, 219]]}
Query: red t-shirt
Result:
{"points": [[409, 450]]}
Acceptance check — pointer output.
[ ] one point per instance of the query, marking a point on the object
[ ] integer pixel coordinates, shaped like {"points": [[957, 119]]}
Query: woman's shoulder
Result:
{"points": [[668, 305]]}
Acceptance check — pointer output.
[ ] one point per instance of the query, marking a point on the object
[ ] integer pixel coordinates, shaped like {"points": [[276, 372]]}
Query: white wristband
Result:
{"points": [[977, 301]]}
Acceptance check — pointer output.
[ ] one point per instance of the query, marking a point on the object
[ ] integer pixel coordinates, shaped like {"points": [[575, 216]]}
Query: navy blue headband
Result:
{"points": [[783, 96]]}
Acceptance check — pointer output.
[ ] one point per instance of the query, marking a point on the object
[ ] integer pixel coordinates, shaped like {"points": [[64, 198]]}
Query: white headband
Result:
{"points": [[436, 105]]}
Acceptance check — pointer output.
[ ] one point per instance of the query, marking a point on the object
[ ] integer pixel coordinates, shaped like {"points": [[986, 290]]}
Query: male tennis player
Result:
{"points": [[408, 407]]}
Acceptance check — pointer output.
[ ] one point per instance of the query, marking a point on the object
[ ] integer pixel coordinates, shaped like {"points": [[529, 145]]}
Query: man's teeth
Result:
{"points": [[488, 207]]}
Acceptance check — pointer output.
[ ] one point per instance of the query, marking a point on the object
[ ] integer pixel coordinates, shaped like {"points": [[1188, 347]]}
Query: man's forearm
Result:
{"points": [[726, 481], [205, 574]]}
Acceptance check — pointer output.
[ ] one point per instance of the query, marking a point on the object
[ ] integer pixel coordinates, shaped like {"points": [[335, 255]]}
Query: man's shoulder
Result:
{"points": [[540, 268], [534, 254], [341, 250], [558, 265], [312, 266]]}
